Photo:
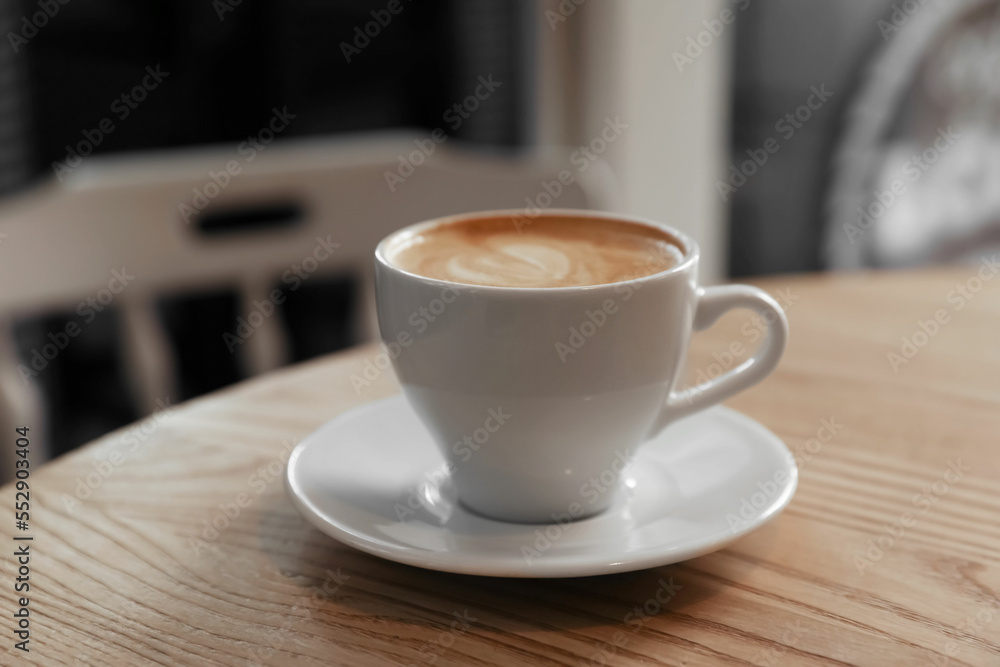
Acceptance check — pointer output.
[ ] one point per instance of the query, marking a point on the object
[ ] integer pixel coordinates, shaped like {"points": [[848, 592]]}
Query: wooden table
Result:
{"points": [[889, 553]]}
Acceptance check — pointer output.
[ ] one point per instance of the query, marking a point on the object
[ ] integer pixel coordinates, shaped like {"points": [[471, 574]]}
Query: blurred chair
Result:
{"points": [[127, 230], [915, 173]]}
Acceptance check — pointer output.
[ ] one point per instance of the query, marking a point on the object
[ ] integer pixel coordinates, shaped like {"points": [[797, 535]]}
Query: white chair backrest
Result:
{"points": [[124, 231]]}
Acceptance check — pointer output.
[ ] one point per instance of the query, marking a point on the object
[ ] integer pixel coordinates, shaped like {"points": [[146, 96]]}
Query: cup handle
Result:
{"points": [[712, 303]]}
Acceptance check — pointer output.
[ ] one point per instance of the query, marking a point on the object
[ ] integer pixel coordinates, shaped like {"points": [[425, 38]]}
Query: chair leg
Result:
{"points": [[149, 356], [267, 346], [21, 405], [365, 322]]}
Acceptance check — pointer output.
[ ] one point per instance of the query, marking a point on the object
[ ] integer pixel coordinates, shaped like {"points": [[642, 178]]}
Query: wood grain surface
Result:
{"points": [[882, 558]]}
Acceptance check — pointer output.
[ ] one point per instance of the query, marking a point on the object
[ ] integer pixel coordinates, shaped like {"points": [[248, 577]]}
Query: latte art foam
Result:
{"points": [[548, 252]]}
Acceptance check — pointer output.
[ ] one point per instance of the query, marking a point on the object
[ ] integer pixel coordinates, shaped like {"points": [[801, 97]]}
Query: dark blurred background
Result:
{"points": [[228, 65], [825, 100]]}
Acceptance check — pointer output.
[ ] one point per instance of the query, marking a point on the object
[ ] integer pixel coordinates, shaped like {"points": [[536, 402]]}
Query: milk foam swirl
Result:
{"points": [[515, 263], [552, 252]]}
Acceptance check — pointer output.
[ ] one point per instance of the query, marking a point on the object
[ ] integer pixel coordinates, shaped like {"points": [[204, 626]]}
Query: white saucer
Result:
{"points": [[704, 482]]}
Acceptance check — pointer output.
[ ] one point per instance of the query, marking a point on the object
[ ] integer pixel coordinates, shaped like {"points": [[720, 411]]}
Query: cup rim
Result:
{"points": [[688, 246]]}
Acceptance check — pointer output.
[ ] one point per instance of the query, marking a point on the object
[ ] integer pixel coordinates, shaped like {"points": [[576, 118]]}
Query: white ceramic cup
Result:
{"points": [[538, 397]]}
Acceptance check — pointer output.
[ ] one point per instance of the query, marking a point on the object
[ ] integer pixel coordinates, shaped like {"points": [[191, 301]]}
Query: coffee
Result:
{"points": [[565, 383], [550, 251]]}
